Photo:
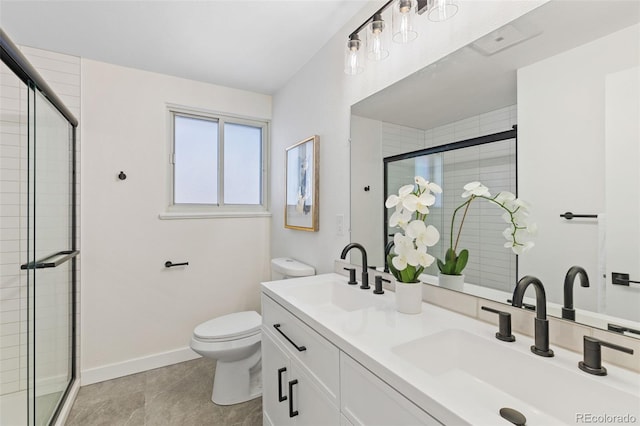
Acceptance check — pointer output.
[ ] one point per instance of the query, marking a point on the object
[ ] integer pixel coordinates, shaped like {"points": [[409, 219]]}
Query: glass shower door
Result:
{"points": [[51, 258]]}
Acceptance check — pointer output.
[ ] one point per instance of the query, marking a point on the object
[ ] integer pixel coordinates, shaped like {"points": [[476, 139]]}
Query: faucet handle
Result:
{"points": [[378, 284], [504, 324], [352, 276], [592, 362]]}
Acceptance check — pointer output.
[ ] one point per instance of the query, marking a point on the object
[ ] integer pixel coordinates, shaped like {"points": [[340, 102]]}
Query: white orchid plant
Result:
{"points": [[517, 233], [411, 205]]}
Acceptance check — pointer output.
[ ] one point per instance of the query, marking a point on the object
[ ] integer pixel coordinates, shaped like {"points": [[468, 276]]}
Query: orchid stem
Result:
{"points": [[468, 203]]}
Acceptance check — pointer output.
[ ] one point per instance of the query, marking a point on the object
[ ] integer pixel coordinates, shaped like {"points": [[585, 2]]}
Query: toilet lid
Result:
{"points": [[238, 324]]}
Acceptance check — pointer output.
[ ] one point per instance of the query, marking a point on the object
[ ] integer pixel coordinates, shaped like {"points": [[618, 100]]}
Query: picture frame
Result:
{"points": [[301, 185]]}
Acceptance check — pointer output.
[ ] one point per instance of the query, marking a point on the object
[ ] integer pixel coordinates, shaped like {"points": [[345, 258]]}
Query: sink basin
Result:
{"points": [[491, 375], [331, 295]]}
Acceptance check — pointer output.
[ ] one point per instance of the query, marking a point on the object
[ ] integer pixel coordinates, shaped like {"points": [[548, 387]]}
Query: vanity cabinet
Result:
{"points": [[307, 380], [290, 395], [300, 371]]}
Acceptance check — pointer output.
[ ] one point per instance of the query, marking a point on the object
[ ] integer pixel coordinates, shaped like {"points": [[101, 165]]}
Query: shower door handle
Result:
{"points": [[51, 261]]}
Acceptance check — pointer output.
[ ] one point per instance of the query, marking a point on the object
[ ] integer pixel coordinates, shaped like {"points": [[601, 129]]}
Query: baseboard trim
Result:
{"points": [[136, 365]]}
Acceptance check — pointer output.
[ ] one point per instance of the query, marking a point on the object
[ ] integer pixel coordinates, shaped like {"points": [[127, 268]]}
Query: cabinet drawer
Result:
{"points": [[367, 400], [315, 353]]}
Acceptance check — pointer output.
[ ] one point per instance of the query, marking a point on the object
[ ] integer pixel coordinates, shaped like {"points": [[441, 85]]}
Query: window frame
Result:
{"points": [[221, 209]]}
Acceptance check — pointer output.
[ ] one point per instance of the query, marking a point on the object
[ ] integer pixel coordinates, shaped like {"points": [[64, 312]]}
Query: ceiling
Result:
{"points": [[252, 45], [471, 81]]}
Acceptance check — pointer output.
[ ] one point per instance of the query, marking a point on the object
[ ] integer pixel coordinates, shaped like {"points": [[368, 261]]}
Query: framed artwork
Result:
{"points": [[301, 204]]}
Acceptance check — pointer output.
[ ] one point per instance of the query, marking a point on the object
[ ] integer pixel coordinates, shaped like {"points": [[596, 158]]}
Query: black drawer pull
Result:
{"points": [[299, 348], [291, 412], [280, 396]]}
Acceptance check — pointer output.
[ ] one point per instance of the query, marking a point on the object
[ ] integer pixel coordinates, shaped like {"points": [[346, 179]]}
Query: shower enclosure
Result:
{"points": [[37, 244]]}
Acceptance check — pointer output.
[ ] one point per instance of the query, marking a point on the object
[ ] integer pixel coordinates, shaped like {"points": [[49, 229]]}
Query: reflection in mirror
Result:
{"points": [[567, 74], [490, 159]]}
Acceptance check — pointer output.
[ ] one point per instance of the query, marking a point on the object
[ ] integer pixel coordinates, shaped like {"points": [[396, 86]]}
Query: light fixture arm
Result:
{"points": [[371, 18]]}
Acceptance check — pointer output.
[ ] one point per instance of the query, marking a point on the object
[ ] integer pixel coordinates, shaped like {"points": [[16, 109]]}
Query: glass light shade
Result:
{"points": [[441, 10], [377, 39], [403, 31], [353, 57]]}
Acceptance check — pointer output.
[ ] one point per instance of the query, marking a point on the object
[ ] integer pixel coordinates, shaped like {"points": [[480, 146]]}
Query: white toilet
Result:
{"points": [[234, 341]]}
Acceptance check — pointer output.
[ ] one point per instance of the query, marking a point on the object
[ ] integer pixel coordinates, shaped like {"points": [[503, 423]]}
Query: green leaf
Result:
{"points": [[405, 275], [448, 267], [450, 256], [440, 265], [392, 268], [461, 262]]}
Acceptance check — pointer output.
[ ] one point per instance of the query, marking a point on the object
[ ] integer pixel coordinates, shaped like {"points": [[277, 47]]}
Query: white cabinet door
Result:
{"points": [[313, 405], [317, 354], [290, 395], [276, 373], [367, 400]]}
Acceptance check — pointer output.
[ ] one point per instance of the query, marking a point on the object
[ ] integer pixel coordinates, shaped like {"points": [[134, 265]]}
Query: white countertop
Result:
{"points": [[370, 330]]}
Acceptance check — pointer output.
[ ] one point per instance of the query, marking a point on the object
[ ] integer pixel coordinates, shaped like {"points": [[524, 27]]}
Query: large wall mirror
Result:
{"points": [[567, 74]]}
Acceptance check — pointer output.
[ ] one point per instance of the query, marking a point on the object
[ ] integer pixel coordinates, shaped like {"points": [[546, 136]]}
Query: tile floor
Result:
{"points": [[178, 394]]}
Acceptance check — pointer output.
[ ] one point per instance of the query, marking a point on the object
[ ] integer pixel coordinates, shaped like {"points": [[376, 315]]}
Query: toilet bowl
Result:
{"points": [[234, 341]]}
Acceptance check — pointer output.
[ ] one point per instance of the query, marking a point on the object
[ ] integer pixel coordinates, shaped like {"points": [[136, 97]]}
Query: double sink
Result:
{"points": [[455, 361]]}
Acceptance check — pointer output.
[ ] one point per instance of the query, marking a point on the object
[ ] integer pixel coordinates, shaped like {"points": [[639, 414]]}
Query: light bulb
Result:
{"points": [[353, 56], [376, 36]]}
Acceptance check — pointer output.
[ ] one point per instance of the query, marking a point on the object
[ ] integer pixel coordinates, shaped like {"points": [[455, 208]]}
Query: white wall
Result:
{"points": [[317, 101], [136, 313], [366, 171], [561, 114], [622, 153]]}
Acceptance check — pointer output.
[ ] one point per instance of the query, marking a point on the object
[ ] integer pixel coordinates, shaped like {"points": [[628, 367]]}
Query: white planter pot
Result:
{"points": [[408, 297], [452, 282]]}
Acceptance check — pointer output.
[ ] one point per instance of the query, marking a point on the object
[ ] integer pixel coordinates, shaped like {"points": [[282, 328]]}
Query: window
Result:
{"points": [[218, 164]]}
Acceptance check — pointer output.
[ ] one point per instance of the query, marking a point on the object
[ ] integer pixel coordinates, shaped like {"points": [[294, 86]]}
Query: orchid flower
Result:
{"points": [[476, 189], [411, 205], [516, 215], [424, 236]]}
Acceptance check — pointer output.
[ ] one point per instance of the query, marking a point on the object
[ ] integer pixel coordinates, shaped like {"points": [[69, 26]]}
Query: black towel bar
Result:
{"points": [[569, 215], [170, 264]]}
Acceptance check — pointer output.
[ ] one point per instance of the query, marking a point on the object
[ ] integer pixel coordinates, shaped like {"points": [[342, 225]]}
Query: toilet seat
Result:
{"points": [[234, 326]]}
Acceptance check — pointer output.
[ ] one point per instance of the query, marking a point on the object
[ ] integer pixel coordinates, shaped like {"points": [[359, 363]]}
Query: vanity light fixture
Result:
{"points": [[402, 29]]}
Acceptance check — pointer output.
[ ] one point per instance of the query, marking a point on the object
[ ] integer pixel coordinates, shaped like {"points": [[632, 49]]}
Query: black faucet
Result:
{"points": [[541, 346], [387, 250], [365, 274], [592, 362], [567, 310]]}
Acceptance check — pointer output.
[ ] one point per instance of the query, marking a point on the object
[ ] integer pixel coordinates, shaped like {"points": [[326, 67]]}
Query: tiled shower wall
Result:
{"points": [[495, 268], [62, 73], [13, 145]]}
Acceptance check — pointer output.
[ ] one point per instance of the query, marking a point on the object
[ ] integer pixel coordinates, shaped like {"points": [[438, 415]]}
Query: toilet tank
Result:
{"points": [[285, 267]]}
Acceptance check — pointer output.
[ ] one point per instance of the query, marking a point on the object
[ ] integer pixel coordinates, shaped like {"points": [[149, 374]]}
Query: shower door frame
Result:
{"points": [[22, 68]]}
